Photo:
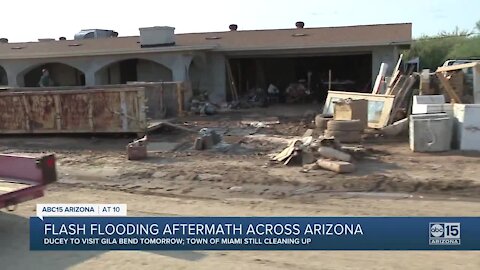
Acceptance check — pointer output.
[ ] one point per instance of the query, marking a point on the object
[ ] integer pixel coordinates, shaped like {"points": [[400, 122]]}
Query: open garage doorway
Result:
{"points": [[133, 70], [60, 75], [351, 72]]}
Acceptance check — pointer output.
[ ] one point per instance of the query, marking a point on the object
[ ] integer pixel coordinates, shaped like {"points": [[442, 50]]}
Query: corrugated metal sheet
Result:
{"points": [[74, 111]]}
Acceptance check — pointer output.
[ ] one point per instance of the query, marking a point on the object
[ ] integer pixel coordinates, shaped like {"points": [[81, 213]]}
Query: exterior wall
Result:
{"points": [[93, 67], [148, 71], [216, 73], [205, 71], [387, 54]]}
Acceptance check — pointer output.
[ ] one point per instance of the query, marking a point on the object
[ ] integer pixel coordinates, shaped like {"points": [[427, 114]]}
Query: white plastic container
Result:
{"points": [[431, 104], [467, 126], [431, 132]]}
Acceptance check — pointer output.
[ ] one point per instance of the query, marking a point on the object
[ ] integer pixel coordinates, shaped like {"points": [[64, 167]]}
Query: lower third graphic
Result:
{"points": [[442, 233]]}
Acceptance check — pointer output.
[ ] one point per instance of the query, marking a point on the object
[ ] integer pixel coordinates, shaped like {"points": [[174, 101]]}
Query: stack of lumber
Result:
{"points": [[400, 86]]}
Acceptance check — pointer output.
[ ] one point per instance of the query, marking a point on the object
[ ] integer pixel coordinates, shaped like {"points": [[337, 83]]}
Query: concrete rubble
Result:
{"points": [[207, 139]]}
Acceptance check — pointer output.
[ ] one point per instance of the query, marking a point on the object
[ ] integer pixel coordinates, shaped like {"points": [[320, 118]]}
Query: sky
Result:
{"points": [[29, 20]]}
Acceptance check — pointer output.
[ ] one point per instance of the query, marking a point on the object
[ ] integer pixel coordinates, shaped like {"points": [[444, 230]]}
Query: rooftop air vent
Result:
{"points": [[157, 36], [300, 25], [3, 40], [62, 38], [233, 27], [95, 34]]}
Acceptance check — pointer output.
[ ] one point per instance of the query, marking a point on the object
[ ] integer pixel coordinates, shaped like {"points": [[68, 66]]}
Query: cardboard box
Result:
{"points": [[352, 110]]}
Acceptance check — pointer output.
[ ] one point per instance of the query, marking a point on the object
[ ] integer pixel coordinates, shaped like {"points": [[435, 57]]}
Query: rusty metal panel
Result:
{"points": [[12, 114], [132, 110], [40, 112], [106, 107], [73, 111]]}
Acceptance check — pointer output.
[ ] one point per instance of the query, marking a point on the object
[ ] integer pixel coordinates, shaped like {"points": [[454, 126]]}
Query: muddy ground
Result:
{"points": [[236, 178]]}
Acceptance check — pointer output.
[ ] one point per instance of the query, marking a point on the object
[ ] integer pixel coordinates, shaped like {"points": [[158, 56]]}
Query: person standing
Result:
{"points": [[45, 79]]}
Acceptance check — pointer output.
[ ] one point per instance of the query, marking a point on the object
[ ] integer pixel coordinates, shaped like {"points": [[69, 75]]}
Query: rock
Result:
{"points": [[209, 177], [207, 142], [332, 153], [307, 157], [236, 189], [198, 144], [159, 174], [336, 166]]}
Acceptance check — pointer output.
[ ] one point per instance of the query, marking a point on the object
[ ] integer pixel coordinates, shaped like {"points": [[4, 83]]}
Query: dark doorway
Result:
{"points": [[348, 73], [3, 76], [128, 71]]}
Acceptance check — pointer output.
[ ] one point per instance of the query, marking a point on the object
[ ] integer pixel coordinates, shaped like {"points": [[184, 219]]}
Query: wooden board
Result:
{"points": [[377, 119], [448, 88], [457, 67], [7, 186]]}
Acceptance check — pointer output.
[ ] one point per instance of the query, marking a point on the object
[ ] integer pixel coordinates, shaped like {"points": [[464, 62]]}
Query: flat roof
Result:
{"points": [[229, 41]]}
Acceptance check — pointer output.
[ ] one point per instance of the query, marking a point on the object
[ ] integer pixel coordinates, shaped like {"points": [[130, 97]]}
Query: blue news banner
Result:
{"points": [[255, 233]]}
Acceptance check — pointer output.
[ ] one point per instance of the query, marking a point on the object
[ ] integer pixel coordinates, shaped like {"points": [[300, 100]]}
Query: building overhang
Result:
{"points": [[171, 49]]}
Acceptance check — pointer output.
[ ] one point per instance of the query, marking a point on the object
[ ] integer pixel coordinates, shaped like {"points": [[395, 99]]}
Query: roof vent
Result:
{"points": [[3, 40], [62, 38], [157, 36], [300, 25], [233, 27], [95, 34]]}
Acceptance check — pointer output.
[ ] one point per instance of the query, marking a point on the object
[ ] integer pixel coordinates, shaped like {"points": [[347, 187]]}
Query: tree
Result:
{"points": [[433, 51]]}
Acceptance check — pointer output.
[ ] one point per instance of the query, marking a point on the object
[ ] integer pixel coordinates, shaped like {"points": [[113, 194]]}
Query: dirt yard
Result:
{"points": [[236, 178]]}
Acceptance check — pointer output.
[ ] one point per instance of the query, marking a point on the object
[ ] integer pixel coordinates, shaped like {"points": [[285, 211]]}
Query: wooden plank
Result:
{"points": [[395, 74], [7, 187], [448, 88], [457, 67], [336, 166], [401, 96], [233, 86], [398, 85]]}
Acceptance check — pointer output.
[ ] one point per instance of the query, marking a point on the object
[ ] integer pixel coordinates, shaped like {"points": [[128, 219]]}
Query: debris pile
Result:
{"points": [[323, 153], [207, 139], [137, 150], [202, 107]]}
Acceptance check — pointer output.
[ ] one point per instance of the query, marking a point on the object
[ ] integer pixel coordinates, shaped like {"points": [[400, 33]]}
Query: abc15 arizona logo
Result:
{"points": [[442, 233]]}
